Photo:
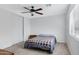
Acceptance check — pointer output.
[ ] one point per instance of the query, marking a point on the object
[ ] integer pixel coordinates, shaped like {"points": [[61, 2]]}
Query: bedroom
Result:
{"points": [[17, 25]]}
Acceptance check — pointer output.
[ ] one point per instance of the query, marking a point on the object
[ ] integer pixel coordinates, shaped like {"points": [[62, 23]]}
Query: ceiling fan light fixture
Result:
{"points": [[33, 10]]}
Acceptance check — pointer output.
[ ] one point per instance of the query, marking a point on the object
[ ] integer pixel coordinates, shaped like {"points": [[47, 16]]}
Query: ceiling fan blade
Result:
{"points": [[39, 13], [39, 9], [26, 8]]}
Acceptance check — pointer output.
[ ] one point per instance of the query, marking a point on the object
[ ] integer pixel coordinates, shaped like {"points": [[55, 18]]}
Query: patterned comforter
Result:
{"points": [[42, 42]]}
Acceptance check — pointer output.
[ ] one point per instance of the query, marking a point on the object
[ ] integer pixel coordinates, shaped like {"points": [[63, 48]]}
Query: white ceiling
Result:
{"points": [[54, 9]]}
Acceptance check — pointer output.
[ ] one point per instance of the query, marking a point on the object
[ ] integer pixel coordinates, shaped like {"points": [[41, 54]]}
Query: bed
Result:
{"points": [[42, 42]]}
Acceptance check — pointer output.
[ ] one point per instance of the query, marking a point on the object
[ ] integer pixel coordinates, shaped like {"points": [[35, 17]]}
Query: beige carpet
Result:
{"points": [[60, 49]]}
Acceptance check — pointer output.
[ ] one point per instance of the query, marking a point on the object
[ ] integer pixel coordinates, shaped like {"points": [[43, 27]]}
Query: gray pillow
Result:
{"points": [[48, 35]]}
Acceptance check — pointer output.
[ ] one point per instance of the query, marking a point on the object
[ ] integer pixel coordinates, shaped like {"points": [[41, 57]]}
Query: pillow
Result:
{"points": [[46, 35]]}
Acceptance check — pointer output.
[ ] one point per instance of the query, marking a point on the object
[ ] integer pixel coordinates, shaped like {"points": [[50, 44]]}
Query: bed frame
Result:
{"points": [[32, 36]]}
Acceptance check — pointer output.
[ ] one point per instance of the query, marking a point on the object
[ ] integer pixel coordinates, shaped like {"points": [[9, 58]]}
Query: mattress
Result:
{"points": [[42, 42]]}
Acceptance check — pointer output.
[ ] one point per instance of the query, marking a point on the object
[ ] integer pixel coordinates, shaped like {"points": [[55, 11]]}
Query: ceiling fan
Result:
{"points": [[32, 10]]}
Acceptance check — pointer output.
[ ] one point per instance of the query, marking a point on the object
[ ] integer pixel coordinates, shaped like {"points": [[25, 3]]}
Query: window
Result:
{"points": [[74, 22]]}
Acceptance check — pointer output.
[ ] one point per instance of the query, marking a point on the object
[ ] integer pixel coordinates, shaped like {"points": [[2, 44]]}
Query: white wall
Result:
{"points": [[49, 25], [10, 28], [26, 28]]}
